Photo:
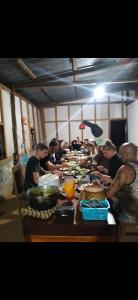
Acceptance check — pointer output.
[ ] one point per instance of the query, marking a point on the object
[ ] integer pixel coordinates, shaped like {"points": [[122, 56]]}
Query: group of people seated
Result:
{"points": [[117, 171], [121, 178], [50, 159]]}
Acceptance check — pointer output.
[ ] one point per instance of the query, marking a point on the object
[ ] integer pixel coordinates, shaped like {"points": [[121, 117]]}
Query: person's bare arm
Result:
{"points": [[122, 177], [102, 169], [36, 177], [103, 177], [44, 171], [52, 167], [106, 178]]}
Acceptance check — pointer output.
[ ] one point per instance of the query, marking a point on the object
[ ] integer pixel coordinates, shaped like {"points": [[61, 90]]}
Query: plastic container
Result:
{"points": [[25, 159], [95, 213], [69, 187], [48, 180], [65, 214]]}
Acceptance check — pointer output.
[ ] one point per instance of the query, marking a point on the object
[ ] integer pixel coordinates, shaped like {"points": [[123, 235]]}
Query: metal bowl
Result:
{"points": [[41, 198]]}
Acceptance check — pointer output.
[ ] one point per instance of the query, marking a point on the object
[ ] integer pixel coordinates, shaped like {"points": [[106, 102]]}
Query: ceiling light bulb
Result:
{"points": [[99, 91]]}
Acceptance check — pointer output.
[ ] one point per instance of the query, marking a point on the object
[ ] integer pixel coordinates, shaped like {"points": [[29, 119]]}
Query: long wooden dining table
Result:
{"points": [[70, 230]]}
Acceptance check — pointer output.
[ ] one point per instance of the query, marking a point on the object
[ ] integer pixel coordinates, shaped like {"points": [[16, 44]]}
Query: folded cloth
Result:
{"points": [[95, 129]]}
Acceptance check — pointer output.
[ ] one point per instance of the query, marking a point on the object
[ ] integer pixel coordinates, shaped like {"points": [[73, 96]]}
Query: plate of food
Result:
{"points": [[63, 169]]}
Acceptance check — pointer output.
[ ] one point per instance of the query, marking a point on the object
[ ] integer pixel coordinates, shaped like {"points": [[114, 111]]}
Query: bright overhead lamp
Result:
{"points": [[99, 91]]}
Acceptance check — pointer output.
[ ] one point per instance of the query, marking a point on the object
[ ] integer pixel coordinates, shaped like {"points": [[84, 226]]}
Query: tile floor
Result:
{"points": [[10, 225]]}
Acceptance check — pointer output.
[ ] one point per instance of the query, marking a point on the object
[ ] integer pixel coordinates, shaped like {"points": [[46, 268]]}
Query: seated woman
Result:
{"points": [[65, 147], [84, 146], [91, 152], [33, 167]]}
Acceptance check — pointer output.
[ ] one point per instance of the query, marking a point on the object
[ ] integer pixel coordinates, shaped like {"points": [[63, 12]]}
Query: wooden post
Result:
{"points": [[122, 104], [29, 125], [69, 124], [109, 122], [128, 95], [56, 123], [38, 123], [14, 124], [42, 119], [23, 134], [81, 122]]}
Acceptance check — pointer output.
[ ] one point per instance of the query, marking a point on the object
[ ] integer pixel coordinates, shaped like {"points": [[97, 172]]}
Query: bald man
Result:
{"points": [[124, 187]]}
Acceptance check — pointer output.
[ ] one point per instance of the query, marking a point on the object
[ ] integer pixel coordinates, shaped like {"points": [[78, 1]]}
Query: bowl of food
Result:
{"points": [[42, 198]]}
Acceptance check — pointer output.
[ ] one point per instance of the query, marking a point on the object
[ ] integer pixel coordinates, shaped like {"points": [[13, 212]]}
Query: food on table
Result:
{"points": [[92, 191]]}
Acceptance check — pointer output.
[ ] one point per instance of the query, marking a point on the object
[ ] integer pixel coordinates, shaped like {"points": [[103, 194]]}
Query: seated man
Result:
{"points": [[101, 160], [109, 151], [53, 152], [123, 190], [76, 144], [52, 162], [33, 167]]}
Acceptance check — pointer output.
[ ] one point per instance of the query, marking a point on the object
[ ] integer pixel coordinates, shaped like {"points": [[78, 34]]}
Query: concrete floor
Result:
{"points": [[10, 225]]}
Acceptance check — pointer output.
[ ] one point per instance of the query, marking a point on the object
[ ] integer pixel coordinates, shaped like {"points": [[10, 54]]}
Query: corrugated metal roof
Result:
{"points": [[34, 95], [51, 80], [58, 93], [47, 66]]}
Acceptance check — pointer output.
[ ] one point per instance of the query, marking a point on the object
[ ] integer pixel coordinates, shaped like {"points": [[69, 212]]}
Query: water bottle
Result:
{"points": [[25, 159]]}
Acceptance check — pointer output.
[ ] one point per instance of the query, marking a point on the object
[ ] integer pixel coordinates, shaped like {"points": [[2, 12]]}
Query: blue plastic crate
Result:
{"points": [[95, 213]]}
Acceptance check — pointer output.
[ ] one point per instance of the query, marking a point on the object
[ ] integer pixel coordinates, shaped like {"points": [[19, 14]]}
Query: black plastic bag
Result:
{"points": [[95, 129]]}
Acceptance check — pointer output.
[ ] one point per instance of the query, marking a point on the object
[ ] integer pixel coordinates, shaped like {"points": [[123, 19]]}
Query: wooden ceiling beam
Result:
{"points": [[27, 70], [78, 83], [74, 68]]}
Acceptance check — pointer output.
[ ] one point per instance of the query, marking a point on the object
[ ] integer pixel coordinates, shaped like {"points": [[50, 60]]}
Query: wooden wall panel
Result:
{"points": [[36, 124], [7, 119], [25, 125], [75, 112], [50, 131], [101, 111], [133, 122], [63, 131], [0, 108], [75, 131], [40, 126], [49, 114], [115, 97], [124, 110], [31, 121], [62, 113], [104, 125], [88, 112], [115, 111]]}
